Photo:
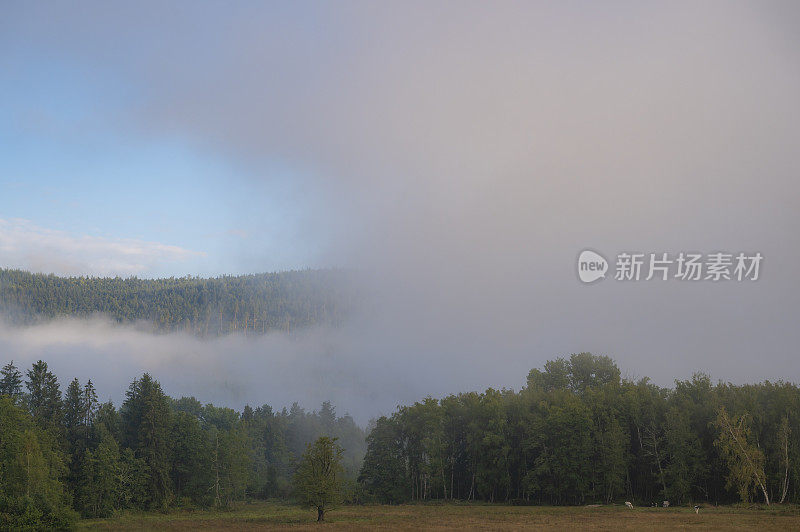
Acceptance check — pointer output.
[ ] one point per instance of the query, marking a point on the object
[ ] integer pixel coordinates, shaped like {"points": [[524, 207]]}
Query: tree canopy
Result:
{"points": [[578, 433], [250, 304]]}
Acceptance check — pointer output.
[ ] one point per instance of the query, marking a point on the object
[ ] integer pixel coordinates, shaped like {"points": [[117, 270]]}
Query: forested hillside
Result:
{"points": [[251, 304]]}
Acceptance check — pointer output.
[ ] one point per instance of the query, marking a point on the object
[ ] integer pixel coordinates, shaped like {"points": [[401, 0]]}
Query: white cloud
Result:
{"points": [[25, 245]]}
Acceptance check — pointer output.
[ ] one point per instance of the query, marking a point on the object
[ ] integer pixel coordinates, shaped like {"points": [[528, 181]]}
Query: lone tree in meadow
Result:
{"points": [[318, 481]]}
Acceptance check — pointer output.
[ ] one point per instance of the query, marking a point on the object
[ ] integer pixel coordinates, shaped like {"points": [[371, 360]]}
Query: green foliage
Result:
{"points": [[11, 382], [578, 433], [134, 480], [229, 449], [146, 424], [191, 472], [562, 444], [745, 460], [383, 473], [270, 475], [31, 467], [73, 409], [44, 397], [99, 488], [686, 467], [318, 480]]}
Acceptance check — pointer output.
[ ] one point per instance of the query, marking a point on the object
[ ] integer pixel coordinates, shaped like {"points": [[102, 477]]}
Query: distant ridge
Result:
{"points": [[249, 304]]}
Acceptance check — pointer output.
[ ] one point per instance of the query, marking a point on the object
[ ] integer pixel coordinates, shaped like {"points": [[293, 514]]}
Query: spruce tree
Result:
{"points": [[11, 381], [44, 396], [73, 407], [90, 403], [146, 422]]}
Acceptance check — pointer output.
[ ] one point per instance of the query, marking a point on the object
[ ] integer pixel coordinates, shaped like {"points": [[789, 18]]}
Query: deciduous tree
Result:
{"points": [[318, 480]]}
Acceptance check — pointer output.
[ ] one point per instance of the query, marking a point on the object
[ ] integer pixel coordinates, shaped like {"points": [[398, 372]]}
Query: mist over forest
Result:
{"points": [[254, 304], [459, 170], [264, 224], [365, 342]]}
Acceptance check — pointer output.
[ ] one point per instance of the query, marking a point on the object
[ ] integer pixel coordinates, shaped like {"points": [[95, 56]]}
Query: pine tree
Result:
{"points": [[190, 454], [11, 382], [73, 407], [327, 416], [44, 396], [99, 487], [75, 438], [90, 403], [146, 422], [31, 495]]}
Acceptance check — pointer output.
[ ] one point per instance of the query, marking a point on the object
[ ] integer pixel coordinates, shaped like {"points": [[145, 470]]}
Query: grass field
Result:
{"points": [[266, 515]]}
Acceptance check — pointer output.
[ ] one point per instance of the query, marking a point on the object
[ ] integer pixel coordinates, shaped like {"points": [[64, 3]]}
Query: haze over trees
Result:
{"points": [[250, 304], [577, 433]]}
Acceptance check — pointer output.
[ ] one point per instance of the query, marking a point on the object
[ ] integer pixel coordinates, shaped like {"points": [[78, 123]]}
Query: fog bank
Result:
{"points": [[460, 155], [364, 372]]}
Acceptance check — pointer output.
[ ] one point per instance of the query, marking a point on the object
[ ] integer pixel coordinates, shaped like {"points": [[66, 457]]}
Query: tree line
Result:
{"points": [[68, 455], [577, 433], [250, 304]]}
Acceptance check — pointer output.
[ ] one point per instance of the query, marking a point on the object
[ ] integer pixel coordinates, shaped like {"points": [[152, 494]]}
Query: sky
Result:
{"points": [[82, 162], [459, 154]]}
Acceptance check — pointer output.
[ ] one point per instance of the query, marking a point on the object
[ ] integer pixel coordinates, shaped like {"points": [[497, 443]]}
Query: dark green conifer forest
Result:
{"points": [[251, 304], [64, 456]]}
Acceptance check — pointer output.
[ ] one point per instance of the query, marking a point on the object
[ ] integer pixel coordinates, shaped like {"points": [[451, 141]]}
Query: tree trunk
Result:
{"points": [[215, 466], [444, 483], [472, 488], [785, 490], [785, 440], [658, 461], [320, 514]]}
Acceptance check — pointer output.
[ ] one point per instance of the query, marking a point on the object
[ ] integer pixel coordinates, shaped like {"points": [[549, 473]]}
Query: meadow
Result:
{"points": [[274, 515]]}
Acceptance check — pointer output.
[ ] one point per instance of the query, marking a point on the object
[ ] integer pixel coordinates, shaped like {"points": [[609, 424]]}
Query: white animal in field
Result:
{"points": [[665, 504], [696, 509], [629, 505]]}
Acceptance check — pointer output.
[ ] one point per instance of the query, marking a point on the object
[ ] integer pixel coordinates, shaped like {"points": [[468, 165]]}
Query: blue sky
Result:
{"points": [[75, 162], [173, 138]]}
